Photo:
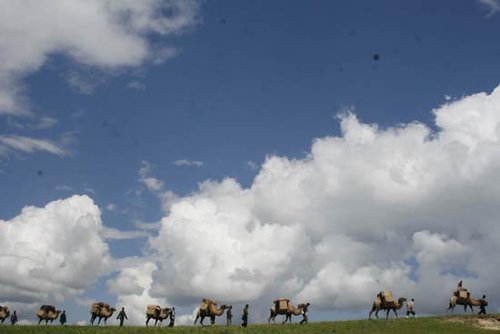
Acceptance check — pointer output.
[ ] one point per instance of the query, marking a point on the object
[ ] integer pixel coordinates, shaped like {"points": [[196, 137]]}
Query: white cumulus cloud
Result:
{"points": [[106, 34], [52, 253]]}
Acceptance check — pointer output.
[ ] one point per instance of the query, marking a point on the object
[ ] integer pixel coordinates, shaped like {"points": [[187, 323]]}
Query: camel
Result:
{"points": [[469, 301], [100, 310], [208, 308], [381, 304], [157, 313], [4, 313], [47, 312], [288, 311]]}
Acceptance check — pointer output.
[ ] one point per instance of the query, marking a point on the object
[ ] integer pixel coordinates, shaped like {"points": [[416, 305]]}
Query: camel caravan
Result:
{"points": [[47, 313], [102, 311], [208, 308], [284, 307]]}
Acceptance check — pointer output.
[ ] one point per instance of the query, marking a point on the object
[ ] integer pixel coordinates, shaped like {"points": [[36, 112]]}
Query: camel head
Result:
{"points": [[112, 309], [224, 307], [401, 300]]}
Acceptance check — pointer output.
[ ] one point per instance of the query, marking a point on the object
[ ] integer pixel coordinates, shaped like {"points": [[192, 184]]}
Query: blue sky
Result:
{"points": [[239, 81]]}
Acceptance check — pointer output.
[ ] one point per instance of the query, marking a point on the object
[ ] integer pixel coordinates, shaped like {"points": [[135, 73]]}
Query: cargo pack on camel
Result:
{"points": [[281, 304]]}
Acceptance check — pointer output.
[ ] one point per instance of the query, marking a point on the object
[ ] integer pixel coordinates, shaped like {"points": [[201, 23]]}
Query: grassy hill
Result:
{"points": [[428, 325]]}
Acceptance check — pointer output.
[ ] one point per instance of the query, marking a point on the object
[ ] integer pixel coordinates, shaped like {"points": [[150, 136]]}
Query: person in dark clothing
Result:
{"points": [[482, 305], [244, 316], [305, 318], [229, 314], [172, 318], [122, 316], [13, 318], [62, 318]]}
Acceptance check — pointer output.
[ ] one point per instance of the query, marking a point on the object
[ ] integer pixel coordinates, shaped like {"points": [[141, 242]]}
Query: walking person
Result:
{"points": [[482, 305], [229, 314], [13, 318], [122, 316], [305, 318], [62, 318], [172, 318], [244, 316], [410, 308]]}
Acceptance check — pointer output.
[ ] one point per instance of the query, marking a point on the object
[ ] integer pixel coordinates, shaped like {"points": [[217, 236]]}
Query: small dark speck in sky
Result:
{"points": [[39, 172], [376, 56], [223, 21]]}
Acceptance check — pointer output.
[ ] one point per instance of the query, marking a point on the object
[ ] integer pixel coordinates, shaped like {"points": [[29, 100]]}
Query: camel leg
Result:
{"points": [[376, 313], [395, 312], [39, 321], [387, 313], [270, 317], [212, 320]]}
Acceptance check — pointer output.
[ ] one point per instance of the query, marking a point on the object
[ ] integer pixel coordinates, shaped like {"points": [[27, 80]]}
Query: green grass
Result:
{"points": [[420, 325]]}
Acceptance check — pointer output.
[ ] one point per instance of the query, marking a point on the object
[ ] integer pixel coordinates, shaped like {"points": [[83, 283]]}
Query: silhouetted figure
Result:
{"points": [[244, 316], [305, 318], [482, 305], [122, 316], [13, 318], [62, 318], [410, 308], [229, 314], [172, 318]]}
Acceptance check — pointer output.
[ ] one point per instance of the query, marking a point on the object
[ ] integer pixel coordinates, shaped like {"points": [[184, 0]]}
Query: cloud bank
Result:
{"points": [[404, 208]]}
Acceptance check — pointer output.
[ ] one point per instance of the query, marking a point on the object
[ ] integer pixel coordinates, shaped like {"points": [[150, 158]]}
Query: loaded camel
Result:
{"points": [[47, 312], [283, 306], [384, 301], [157, 313], [4, 313], [463, 297], [100, 310], [208, 308]]}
